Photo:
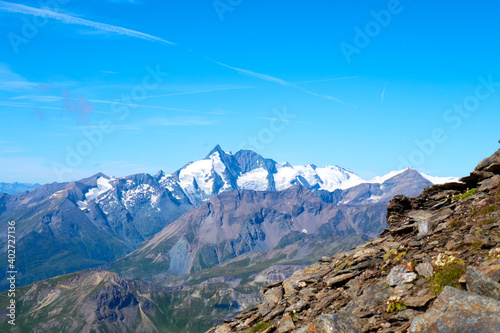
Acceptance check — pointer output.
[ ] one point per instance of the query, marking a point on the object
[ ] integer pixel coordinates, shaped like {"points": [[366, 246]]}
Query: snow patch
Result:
{"points": [[142, 191], [440, 180], [254, 180], [381, 179], [103, 186], [327, 178], [203, 173]]}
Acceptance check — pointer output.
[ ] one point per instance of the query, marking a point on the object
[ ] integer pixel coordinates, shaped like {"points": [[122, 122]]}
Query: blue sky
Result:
{"points": [[373, 87]]}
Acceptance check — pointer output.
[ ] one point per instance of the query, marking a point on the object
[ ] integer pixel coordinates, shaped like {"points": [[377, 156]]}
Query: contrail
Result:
{"points": [[22, 9], [282, 82], [383, 93]]}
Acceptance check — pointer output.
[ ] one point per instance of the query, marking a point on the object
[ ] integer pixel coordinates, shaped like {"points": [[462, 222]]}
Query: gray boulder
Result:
{"points": [[458, 311]]}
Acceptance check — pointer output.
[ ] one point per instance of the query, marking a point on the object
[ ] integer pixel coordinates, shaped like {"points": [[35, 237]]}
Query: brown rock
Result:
{"points": [[409, 266], [417, 302], [490, 184], [271, 299], [491, 268], [495, 158], [286, 324], [340, 279], [425, 269], [252, 320], [223, 329]]}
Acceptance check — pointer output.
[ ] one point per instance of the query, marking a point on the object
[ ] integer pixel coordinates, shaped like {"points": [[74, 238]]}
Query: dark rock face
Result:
{"points": [[436, 270], [243, 222], [395, 208]]}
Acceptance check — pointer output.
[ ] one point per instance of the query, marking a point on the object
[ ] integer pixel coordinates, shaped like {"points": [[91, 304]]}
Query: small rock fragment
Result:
{"points": [[286, 324], [338, 322], [425, 269], [399, 275]]}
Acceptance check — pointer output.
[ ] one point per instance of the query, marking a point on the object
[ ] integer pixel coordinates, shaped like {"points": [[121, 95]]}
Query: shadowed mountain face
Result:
{"points": [[89, 301], [241, 222]]}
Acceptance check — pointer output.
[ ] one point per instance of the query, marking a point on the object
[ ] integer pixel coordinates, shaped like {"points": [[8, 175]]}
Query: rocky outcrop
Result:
{"points": [[459, 311], [436, 269]]}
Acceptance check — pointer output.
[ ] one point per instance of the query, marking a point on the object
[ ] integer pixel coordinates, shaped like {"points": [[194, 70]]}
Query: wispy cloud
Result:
{"points": [[383, 93], [156, 122], [38, 98], [196, 92], [11, 81], [28, 106], [68, 19], [33, 106], [325, 80], [140, 105], [7, 147], [10, 150], [177, 121], [291, 121], [120, 127]]}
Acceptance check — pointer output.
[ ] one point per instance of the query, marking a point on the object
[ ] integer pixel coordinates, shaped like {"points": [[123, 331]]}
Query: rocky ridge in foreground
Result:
{"points": [[435, 270]]}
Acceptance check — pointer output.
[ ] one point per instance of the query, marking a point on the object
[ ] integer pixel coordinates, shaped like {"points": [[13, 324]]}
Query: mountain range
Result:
{"points": [[14, 188], [64, 227], [205, 237]]}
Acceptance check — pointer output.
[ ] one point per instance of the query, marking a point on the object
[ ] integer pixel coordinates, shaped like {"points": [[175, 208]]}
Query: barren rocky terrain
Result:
{"points": [[436, 269]]}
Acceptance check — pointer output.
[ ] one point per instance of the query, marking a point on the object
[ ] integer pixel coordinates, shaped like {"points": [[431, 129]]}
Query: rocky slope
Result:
{"points": [[236, 223], [436, 269], [89, 301]]}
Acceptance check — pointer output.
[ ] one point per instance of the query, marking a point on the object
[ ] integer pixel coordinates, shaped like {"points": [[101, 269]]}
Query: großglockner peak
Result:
{"points": [[221, 171]]}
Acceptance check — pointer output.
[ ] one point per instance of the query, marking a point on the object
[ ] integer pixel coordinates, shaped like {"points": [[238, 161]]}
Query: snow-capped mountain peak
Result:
{"points": [[220, 172], [247, 170], [432, 179]]}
